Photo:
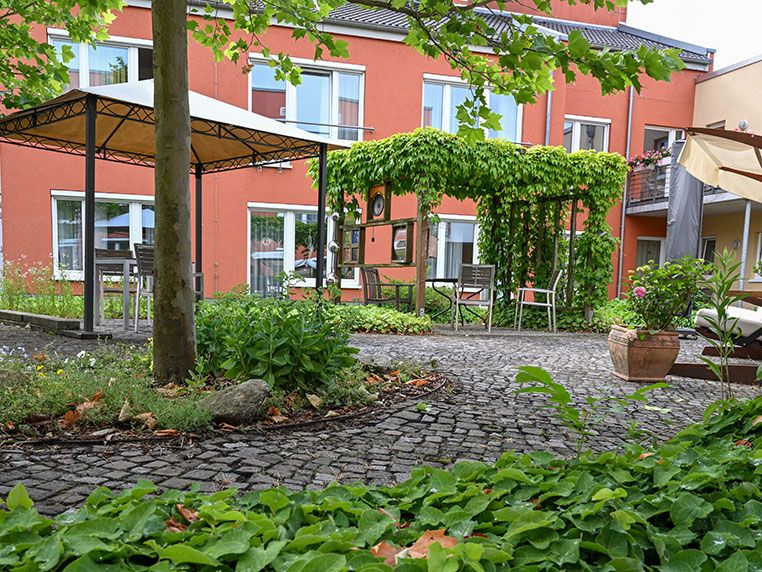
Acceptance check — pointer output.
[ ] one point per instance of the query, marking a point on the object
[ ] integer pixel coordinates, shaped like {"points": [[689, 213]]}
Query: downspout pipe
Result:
{"points": [[548, 115], [624, 197]]}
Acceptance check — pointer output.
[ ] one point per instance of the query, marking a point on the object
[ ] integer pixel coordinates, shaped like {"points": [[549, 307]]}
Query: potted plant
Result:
{"points": [[658, 297]]}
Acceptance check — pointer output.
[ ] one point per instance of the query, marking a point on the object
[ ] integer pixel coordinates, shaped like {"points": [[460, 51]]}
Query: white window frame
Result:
{"points": [[136, 223], [670, 131], [289, 245], [578, 120], [448, 82], [439, 271], [705, 239], [132, 45], [331, 68], [662, 247]]}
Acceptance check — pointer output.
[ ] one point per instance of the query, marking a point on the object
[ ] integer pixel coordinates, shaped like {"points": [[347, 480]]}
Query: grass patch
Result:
{"points": [[43, 389]]}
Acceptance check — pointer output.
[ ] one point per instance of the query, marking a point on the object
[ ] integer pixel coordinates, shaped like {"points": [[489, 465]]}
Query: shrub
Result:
{"points": [[377, 319], [692, 504], [289, 344], [660, 295]]}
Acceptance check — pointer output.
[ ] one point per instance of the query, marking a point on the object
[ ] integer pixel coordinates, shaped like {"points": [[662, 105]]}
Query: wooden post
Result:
{"points": [[421, 247], [570, 268]]}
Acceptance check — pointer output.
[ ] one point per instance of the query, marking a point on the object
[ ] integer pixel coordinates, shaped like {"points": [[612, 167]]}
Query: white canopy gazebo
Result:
{"points": [[116, 123]]}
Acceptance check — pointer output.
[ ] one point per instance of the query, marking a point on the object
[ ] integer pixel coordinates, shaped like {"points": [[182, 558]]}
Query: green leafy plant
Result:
{"points": [[376, 319], [694, 503], [723, 326], [289, 344], [659, 295], [581, 420]]}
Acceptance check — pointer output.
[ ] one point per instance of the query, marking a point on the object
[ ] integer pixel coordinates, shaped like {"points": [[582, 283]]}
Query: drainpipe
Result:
{"points": [[548, 113], [745, 244], [624, 198]]}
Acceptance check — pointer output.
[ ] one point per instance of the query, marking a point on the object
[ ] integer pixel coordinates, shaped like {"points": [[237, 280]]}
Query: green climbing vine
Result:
{"points": [[524, 199]]}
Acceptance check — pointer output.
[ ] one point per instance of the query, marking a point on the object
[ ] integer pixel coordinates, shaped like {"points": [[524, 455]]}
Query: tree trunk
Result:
{"points": [[174, 331]]}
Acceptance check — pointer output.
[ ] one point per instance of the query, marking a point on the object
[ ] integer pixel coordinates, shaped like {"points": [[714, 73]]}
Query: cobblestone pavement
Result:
{"points": [[478, 418]]}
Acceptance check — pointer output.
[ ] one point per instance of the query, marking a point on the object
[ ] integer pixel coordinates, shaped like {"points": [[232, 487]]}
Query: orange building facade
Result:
{"points": [[259, 222]]}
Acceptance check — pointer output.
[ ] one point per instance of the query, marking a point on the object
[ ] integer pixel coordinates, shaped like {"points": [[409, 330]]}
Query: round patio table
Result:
{"points": [[436, 284]]}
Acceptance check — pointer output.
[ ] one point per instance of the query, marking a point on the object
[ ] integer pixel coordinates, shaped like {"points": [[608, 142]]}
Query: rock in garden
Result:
{"points": [[375, 361], [239, 404]]}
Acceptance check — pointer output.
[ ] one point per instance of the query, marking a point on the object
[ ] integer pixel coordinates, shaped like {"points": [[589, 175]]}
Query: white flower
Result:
{"points": [[81, 354], [92, 362]]}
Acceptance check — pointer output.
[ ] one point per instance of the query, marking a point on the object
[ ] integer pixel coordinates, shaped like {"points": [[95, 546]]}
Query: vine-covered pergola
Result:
{"points": [[539, 208]]}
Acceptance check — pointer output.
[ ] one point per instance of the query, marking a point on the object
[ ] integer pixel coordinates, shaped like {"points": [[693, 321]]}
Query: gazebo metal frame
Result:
{"points": [[257, 140]]}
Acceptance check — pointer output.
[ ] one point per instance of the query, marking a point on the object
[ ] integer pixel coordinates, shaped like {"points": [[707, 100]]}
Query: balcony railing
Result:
{"points": [[648, 185], [651, 186]]}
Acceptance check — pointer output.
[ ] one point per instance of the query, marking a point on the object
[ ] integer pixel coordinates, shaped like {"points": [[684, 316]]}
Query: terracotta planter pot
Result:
{"points": [[638, 355]]}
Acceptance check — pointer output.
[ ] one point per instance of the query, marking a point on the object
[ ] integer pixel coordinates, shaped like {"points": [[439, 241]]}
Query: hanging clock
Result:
{"points": [[379, 199]]}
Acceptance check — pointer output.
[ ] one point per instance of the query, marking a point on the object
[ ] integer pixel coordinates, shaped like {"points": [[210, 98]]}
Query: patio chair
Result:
{"points": [[474, 281], [373, 291], [144, 256], [549, 303], [109, 271]]}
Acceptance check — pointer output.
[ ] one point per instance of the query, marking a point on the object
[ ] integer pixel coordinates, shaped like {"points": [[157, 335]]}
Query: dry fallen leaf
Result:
{"points": [[97, 396], [420, 549], [278, 418], [147, 419], [124, 412], [174, 526], [757, 421], [744, 443], [171, 390], [166, 433], [71, 417], [645, 456], [331, 413], [188, 513], [314, 400], [386, 551], [273, 411], [228, 427], [394, 373], [9, 425], [418, 382]]}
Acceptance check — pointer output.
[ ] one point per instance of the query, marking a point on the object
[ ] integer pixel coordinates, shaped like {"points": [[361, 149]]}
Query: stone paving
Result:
{"points": [[477, 418]]}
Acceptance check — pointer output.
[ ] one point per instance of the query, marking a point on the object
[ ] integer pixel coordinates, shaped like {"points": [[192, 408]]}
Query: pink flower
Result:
{"points": [[639, 292]]}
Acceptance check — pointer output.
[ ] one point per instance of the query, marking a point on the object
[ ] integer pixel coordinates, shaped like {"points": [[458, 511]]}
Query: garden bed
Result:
{"points": [[108, 396]]}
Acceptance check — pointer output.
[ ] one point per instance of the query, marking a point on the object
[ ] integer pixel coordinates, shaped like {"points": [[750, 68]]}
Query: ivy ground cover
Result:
{"points": [[694, 503]]}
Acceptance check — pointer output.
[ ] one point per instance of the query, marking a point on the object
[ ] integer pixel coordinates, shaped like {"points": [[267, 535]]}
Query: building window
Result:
{"points": [[119, 224], [649, 250], [284, 239], [657, 138], [452, 242], [106, 63], [581, 133], [440, 108], [708, 248], [327, 102]]}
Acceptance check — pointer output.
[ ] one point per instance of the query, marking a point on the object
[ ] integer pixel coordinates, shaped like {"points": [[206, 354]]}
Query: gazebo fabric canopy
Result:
{"points": [[116, 123], [730, 160], [223, 136]]}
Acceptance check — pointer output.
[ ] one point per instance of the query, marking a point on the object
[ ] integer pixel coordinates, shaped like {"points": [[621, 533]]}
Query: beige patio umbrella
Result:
{"points": [[730, 160]]}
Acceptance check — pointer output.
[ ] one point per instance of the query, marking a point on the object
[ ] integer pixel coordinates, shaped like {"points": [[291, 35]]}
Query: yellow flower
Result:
{"points": [[60, 372], [39, 367]]}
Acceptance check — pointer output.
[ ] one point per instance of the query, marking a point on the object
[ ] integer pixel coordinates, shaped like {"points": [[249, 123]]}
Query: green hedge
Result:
{"points": [[692, 504]]}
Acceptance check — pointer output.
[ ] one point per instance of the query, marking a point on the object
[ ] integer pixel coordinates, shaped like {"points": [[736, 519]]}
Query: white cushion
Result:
{"points": [[747, 321]]}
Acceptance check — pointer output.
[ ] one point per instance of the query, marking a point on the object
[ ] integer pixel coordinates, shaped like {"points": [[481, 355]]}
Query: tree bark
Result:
{"points": [[174, 335]]}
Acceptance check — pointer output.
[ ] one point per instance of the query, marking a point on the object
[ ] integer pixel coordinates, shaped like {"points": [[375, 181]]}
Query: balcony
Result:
{"points": [[648, 185]]}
